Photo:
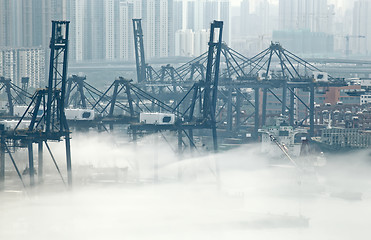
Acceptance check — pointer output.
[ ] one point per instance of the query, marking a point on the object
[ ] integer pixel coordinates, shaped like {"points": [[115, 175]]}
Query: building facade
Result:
{"points": [[102, 30], [361, 33], [16, 63], [184, 43], [313, 15]]}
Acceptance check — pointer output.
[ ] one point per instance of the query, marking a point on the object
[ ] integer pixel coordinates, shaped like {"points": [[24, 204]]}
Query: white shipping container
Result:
{"points": [[320, 76], [157, 118], [11, 124], [71, 114], [79, 114]]}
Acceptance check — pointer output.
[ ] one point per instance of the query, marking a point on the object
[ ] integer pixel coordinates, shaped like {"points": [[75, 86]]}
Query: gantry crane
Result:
{"points": [[47, 110], [139, 50]]}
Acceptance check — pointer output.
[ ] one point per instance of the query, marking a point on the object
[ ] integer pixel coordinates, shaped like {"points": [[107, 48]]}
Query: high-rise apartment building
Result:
{"points": [[257, 22], [111, 29], [200, 42], [190, 44], [171, 30], [128, 11], [306, 26], [16, 63], [200, 14], [124, 29], [76, 34], [224, 15], [361, 34], [10, 24], [99, 29], [245, 18], [158, 28], [93, 39], [313, 15], [288, 14], [210, 12], [26, 23], [25, 27], [149, 27], [190, 20], [162, 29], [184, 43], [102, 29], [195, 14]]}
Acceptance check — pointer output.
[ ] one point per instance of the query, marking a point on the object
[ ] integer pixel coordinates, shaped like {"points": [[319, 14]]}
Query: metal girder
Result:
{"points": [[57, 75], [76, 98], [14, 94], [139, 50]]}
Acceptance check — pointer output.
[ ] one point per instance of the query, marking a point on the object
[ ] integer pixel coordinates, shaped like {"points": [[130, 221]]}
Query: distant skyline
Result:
{"points": [[338, 3]]}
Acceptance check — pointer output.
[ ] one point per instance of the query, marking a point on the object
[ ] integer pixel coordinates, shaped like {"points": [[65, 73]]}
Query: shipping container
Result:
{"points": [[157, 118]]}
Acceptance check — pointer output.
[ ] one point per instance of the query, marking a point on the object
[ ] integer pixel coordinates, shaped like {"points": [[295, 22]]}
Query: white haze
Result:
{"points": [[254, 200]]}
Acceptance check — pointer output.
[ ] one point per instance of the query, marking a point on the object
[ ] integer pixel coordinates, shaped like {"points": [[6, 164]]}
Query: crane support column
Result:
{"points": [[57, 73], [292, 108], [284, 98], [40, 157], [238, 110], [311, 110], [211, 88], [80, 88], [68, 159], [2, 163], [10, 100], [257, 120], [31, 165], [114, 97], [264, 107], [139, 50], [229, 111]]}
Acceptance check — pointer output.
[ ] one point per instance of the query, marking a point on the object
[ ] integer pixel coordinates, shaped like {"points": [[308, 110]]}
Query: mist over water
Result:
{"points": [[255, 200]]}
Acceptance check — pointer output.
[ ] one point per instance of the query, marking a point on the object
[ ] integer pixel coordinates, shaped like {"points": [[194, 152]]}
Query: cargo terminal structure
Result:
{"points": [[220, 90], [48, 124]]}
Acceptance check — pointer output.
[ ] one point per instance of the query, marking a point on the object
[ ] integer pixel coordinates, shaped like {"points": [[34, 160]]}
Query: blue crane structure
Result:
{"points": [[275, 68], [46, 113], [14, 94], [202, 93]]}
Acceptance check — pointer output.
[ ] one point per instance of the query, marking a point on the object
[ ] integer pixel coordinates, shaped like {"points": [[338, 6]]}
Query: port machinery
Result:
{"points": [[49, 126], [197, 108], [205, 86], [14, 94], [275, 68], [243, 87], [242, 90]]}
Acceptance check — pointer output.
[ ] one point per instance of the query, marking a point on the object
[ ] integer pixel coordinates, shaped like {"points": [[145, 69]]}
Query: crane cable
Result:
{"points": [[273, 139]]}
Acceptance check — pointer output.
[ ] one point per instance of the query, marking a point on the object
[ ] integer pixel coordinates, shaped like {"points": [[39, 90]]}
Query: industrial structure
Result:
{"points": [[219, 93], [242, 89], [47, 120], [203, 93], [14, 94]]}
